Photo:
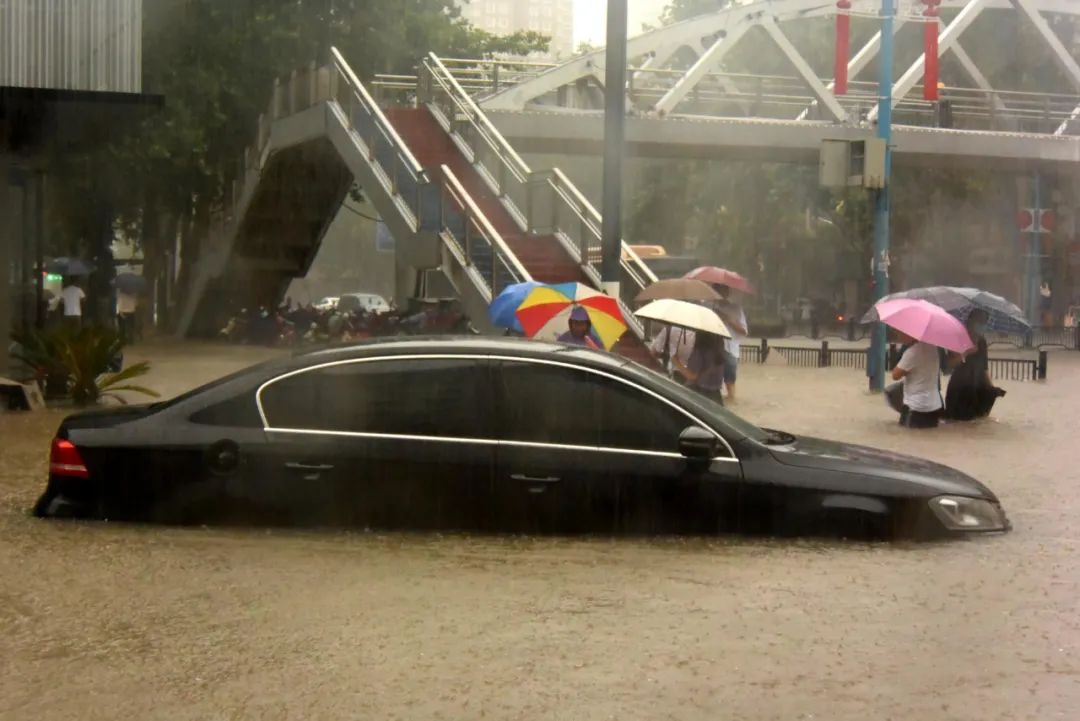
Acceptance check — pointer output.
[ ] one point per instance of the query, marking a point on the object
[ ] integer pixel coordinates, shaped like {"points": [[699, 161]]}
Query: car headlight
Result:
{"points": [[959, 513]]}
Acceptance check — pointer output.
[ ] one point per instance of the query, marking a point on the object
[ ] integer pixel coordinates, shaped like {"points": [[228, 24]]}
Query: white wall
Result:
{"points": [[71, 44]]}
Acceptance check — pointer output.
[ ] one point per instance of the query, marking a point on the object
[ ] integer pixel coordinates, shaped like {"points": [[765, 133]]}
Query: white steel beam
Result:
{"points": [[1074, 116], [946, 39], [708, 60], [725, 83], [824, 97], [689, 33], [976, 75], [858, 63], [1064, 57]]}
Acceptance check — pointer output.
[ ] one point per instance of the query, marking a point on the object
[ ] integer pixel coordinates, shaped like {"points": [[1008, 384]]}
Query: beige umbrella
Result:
{"points": [[685, 315], [678, 289]]}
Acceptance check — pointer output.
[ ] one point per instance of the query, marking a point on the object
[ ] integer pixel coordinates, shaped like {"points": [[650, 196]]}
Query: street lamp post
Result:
{"points": [[614, 146], [876, 366]]}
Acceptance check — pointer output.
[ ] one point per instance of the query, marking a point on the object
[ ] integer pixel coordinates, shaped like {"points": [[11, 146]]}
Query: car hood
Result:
{"points": [[934, 478]]}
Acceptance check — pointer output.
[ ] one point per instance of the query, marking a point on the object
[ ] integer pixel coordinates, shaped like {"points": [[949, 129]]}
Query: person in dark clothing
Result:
{"points": [[704, 369], [971, 393]]}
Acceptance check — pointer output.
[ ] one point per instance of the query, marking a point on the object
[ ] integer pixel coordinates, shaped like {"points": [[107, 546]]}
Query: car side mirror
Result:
{"points": [[696, 443]]}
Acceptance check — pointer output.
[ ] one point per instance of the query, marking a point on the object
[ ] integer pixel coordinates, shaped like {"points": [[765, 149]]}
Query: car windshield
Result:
{"points": [[718, 412]]}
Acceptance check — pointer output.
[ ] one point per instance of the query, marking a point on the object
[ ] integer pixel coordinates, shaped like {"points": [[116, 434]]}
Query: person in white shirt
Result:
{"points": [[679, 342], [920, 370], [72, 297]]}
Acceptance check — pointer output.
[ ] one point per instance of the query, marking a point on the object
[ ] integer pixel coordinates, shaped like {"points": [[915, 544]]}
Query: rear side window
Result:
{"points": [[420, 397], [240, 411], [541, 403]]}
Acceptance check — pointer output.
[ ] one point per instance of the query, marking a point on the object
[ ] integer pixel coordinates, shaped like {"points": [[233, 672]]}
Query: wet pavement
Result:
{"points": [[112, 621]]}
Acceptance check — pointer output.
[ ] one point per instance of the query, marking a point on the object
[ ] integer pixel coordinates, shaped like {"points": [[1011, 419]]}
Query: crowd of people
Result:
{"points": [[705, 362], [294, 324], [970, 393]]}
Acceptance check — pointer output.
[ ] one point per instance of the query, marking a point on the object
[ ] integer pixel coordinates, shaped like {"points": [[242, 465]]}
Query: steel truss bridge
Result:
{"points": [[685, 103], [439, 154]]}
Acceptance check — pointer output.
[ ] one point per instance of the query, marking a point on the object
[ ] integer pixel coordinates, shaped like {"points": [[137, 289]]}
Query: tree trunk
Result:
{"points": [[163, 277], [151, 246], [198, 229]]}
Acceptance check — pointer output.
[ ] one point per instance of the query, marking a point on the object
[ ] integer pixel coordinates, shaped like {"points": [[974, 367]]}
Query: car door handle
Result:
{"points": [[535, 479], [308, 467]]}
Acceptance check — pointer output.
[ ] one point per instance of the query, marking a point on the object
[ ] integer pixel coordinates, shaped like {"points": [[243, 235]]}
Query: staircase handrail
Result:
{"points": [[346, 72], [464, 102], [565, 191], [498, 245]]}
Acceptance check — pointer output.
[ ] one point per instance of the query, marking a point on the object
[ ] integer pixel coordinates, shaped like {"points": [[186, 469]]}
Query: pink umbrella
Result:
{"points": [[721, 276], [925, 322]]}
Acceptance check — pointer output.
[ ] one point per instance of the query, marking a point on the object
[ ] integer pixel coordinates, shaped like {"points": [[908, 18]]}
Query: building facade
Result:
{"points": [[70, 80], [554, 18], [91, 45]]}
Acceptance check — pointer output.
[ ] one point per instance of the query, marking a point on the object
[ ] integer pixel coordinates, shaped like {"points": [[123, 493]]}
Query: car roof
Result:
{"points": [[468, 345], [513, 347]]}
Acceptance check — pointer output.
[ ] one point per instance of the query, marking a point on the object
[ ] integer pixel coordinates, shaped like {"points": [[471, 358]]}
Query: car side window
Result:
{"points": [[420, 397], [547, 404], [239, 411], [542, 403]]}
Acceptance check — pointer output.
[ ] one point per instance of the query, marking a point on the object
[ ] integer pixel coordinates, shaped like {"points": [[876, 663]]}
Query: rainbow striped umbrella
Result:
{"points": [[545, 313]]}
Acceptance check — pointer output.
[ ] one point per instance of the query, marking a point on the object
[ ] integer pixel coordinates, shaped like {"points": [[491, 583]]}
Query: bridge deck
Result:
{"points": [[581, 131]]}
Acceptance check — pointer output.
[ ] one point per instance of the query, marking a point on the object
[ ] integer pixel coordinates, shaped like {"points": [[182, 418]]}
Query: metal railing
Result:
{"points": [[1046, 336], [479, 245], [532, 197], [576, 219], [400, 173], [785, 97], [484, 145], [1016, 369]]}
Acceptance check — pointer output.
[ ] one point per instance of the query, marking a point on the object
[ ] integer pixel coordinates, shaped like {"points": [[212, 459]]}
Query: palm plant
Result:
{"points": [[84, 357], [41, 352]]}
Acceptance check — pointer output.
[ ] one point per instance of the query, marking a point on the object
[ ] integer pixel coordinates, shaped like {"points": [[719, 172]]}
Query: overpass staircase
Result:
{"points": [[452, 191]]}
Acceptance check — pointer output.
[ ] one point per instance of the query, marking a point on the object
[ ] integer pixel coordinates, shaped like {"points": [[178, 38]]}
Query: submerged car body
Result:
{"points": [[492, 435]]}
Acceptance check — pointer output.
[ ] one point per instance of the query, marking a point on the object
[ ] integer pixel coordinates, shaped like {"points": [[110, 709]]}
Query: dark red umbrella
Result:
{"points": [[721, 276]]}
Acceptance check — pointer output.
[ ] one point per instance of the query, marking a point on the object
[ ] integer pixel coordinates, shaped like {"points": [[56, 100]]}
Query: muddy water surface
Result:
{"points": [[111, 621]]}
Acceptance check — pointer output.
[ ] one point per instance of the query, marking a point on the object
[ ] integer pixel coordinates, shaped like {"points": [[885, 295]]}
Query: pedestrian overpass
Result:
{"points": [[439, 154]]}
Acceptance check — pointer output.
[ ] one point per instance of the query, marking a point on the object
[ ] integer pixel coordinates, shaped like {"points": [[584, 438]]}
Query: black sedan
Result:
{"points": [[492, 435]]}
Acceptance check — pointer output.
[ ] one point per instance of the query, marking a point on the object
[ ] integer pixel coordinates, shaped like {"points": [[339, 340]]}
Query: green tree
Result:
{"points": [[215, 64]]}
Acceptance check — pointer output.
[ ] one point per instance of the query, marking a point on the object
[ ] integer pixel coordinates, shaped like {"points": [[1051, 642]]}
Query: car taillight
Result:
{"points": [[65, 460]]}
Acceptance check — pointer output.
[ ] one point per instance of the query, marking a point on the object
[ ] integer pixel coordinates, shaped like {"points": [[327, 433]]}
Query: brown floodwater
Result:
{"points": [[113, 621]]}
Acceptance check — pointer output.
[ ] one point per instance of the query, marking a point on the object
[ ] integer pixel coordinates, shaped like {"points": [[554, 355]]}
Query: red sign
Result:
{"points": [[1026, 220]]}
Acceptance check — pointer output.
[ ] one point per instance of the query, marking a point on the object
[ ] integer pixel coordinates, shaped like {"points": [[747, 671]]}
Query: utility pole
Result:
{"points": [[1034, 257], [614, 147], [876, 365]]}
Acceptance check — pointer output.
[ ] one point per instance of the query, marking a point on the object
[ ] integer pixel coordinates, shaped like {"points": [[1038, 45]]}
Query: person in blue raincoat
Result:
{"points": [[580, 325]]}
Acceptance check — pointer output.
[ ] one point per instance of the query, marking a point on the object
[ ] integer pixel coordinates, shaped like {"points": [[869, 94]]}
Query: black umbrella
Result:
{"points": [[130, 283], [1002, 315], [69, 266]]}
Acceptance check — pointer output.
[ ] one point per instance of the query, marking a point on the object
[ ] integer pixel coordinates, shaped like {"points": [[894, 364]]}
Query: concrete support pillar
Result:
{"points": [[11, 238], [406, 278]]}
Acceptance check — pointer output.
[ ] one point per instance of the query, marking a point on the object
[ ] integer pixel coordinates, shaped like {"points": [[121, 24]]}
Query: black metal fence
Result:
{"points": [[1015, 369], [850, 330], [1019, 369]]}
